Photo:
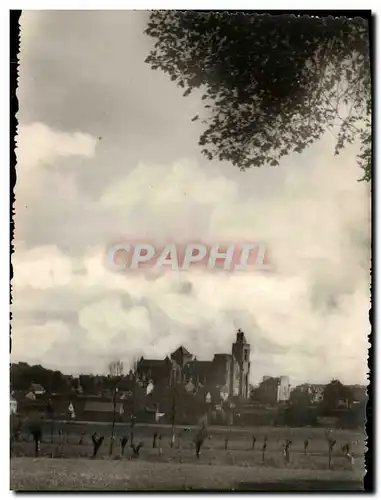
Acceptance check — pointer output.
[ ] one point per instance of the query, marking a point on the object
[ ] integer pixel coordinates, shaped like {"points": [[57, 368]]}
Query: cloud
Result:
{"points": [[41, 268], [308, 319], [38, 145], [30, 343]]}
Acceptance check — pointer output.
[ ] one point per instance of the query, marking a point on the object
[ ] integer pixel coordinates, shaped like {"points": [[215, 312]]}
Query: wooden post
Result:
{"points": [[331, 444], [264, 447], [306, 442]]}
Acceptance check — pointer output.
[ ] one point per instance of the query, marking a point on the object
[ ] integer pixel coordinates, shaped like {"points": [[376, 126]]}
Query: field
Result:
{"points": [[66, 465]]}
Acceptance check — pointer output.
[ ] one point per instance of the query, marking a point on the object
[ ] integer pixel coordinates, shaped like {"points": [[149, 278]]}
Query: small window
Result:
{"points": [[246, 355]]}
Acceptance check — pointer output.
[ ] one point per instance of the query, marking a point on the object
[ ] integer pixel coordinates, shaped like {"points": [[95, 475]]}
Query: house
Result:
{"points": [[37, 389], [273, 390], [30, 395], [284, 389]]}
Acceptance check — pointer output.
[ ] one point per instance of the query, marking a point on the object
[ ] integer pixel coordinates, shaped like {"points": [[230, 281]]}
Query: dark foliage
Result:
{"points": [[37, 435], [331, 445], [271, 84], [23, 375], [335, 395]]}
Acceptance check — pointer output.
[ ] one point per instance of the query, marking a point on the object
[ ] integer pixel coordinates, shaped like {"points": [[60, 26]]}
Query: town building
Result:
{"points": [[284, 389], [228, 372], [273, 390]]}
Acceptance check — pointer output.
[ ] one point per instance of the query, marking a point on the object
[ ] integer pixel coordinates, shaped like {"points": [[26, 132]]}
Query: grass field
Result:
{"points": [[65, 464], [83, 474]]}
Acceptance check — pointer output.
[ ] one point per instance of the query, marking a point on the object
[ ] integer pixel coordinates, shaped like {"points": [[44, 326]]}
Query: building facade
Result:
{"points": [[228, 372], [273, 390], [284, 389]]}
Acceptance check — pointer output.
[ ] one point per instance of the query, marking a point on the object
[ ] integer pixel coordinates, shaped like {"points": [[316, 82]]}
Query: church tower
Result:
{"points": [[241, 352]]}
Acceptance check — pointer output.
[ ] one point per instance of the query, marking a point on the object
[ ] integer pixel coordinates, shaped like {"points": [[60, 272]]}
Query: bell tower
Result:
{"points": [[241, 352]]}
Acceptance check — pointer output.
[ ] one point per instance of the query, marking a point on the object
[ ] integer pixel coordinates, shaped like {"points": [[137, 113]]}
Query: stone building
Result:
{"points": [[273, 390], [229, 372]]}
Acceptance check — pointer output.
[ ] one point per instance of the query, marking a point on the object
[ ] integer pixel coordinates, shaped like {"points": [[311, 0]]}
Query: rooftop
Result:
{"points": [[37, 387], [182, 350]]}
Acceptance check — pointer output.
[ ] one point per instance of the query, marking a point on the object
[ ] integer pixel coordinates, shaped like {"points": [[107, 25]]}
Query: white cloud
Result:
{"points": [[309, 319], [30, 343], [107, 319], [41, 268], [38, 145]]}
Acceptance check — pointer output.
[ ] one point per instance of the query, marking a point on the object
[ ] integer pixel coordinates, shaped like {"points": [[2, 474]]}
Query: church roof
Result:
{"points": [[152, 362], [223, 355], [182, 350]]}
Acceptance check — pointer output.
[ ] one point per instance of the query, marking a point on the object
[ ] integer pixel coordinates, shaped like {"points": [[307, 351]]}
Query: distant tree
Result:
{"points": [[264, 448], [136, 449], [50, 414], [82, 437], [286, 450], [154, 440], [123, 442], [173, 415], [300, 397], [334, 394], [97, 443], [255, 394], [159, 437], [35, 426], [345, 448], [271, 84], [200, 437], [115, 370], [16, 423], [226, 441], [331, 445], [306, 443], [23, 375]]}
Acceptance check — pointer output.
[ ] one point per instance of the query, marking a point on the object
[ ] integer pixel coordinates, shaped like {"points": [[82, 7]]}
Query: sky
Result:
{"points": [[107, 151]]}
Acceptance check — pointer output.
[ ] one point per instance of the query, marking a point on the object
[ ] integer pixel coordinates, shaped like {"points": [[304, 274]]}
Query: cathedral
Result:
{"points": [[227, 372]]}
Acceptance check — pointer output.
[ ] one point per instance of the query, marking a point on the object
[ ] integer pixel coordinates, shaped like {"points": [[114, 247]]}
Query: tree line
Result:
{"points": [[54, 381]]}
